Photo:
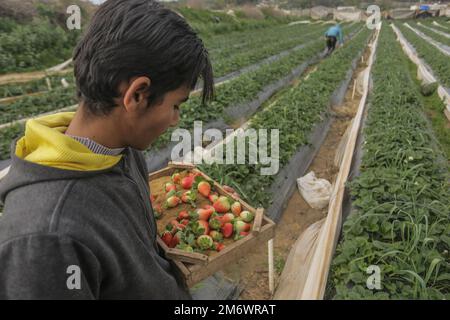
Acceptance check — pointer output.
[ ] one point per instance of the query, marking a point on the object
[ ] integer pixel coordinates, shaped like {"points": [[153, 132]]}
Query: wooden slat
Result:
{"points": [[190, 257], [161, 173], [181, 165], [258, 220], [226, 257]]}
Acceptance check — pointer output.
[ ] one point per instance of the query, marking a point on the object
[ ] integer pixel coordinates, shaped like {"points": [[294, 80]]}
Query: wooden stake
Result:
{"points": [[271, 266]]}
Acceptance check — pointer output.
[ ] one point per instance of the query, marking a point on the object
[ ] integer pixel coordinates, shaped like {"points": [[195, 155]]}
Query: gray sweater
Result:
{"points": [[82, 234]]}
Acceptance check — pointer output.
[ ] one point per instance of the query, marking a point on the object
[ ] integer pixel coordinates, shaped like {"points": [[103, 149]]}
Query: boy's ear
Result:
{"points": [[136, 94]]}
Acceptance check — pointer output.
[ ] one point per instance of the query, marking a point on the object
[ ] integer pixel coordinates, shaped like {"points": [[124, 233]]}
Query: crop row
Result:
{"points": [[39, 85], [438, 61], [226, 62], [294, 114], [433, 35], [242, 89], [34, 105], [399, 224]]}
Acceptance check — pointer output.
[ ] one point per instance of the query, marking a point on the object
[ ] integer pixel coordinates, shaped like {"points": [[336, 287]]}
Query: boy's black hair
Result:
{"points": [[129, 38]]}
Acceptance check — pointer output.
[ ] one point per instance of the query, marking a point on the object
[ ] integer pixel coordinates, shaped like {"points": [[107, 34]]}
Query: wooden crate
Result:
{"points": [[196, 266]]}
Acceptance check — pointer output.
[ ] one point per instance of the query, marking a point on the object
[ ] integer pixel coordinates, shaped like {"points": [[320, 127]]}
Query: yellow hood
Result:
{"points": [[46, 144]]}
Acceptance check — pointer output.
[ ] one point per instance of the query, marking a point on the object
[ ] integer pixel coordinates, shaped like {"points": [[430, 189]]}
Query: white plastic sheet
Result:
{"points": [[315, 191]]}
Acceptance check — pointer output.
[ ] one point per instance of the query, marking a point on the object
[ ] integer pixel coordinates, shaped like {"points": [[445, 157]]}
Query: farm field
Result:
{"points": [[364, 118]]}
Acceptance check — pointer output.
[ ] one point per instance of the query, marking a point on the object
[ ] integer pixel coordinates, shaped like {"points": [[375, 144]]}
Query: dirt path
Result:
{"points": [[252, 271]]}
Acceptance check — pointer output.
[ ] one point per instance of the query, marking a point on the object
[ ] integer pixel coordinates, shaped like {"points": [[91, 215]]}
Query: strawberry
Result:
{"points": [[169, 186], [175, 240], [243, 233], [222, 205], [183, 215], [157, 210], [204, 188], [215, 223], [189, 197], [201, 214], [209, 207], [227, 230], [201, 227], [240, 226], [236, 208], [216, 236], [228, 217], [152, 198], [172, 202], [219, 246], [184, 222], [166, 237], [187, 182], [247, 216], [205, 242], [176, 178], [213, 197]]}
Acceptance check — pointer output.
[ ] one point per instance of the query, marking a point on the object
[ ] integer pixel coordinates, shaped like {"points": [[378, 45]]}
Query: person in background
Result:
{"points": [[333, 35], [77, 221]]}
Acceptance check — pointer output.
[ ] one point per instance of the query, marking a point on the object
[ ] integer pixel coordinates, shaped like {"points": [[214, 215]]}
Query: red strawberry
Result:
{"points": [[222, 205], [201, 214], [202, 227], [166, 237], [169, 186], [228, 217], [209, 208], [152, 198], [188, 196], [183, 215], [204, 188], [176, 178], [172, 202], [184, 222], [236, 208], [219, 246], [157, 210], [227, 230], [243, 233], [175, 240], [213, 197], [187, 182]]}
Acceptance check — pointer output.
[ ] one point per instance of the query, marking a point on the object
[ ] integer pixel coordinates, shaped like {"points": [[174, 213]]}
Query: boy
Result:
{"points": [[77, 221]]}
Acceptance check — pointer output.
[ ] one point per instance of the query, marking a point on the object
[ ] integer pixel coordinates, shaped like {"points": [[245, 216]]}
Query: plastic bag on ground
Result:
{"points": [[316, 192]]}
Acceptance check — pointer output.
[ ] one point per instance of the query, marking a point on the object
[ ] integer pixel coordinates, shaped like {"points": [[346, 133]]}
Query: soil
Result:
{"points": [[251, 272]]}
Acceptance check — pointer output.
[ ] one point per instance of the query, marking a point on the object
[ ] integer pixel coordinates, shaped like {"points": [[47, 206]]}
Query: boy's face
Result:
{"points": [[142, 125]]}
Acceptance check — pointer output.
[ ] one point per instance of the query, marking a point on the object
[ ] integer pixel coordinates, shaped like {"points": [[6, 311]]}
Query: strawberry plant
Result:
{"points": [[34, 105], [400, 221], [438, 61]]}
